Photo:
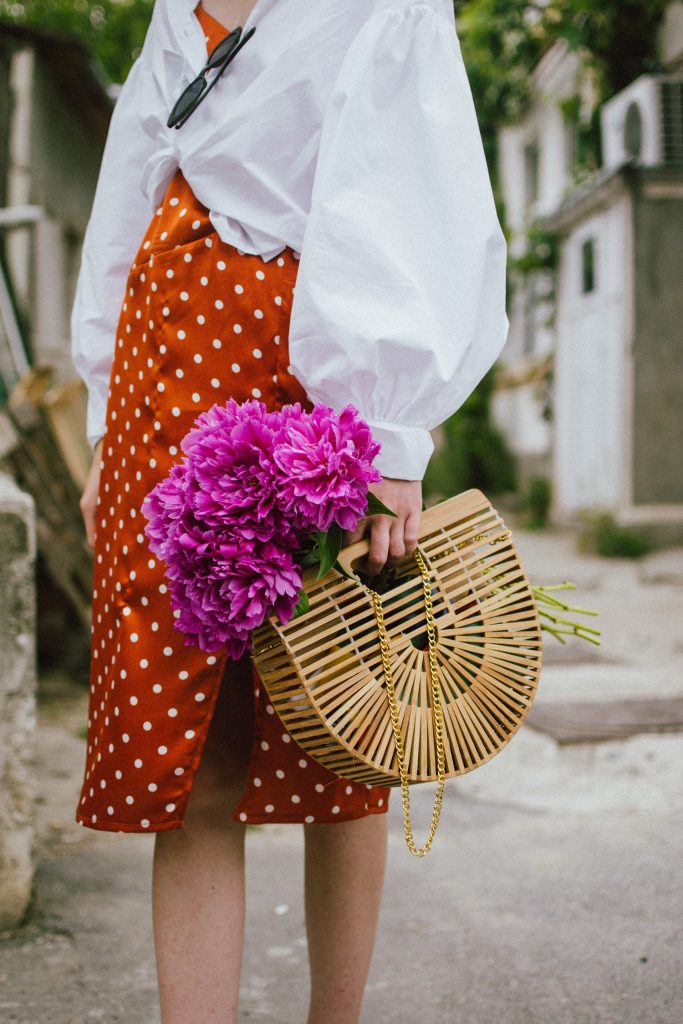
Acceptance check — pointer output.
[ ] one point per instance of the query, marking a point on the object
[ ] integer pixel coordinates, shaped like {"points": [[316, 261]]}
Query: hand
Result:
{"points": [[391, 539], [88, 500]]}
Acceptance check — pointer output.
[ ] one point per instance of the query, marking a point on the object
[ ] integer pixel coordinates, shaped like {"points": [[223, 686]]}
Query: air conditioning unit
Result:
{"points": [[643, 124]]}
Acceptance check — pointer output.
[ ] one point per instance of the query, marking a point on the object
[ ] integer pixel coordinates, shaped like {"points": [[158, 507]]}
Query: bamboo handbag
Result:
{"points": [[423, 683]]}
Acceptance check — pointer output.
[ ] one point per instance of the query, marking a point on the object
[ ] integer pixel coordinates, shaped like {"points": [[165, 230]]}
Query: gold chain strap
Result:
{"points": [[436, 707]]}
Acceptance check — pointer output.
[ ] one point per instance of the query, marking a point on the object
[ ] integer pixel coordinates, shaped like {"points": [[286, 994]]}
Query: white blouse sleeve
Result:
{"points": [[399, 302], [117, 223]]}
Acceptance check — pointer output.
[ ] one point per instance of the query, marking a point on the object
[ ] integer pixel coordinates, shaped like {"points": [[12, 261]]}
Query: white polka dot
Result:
{"points": [[138, 762], [243, 816], [286, 738], [130, 799], [237, 328], [168, 650], [295, 798], [280, 774], [319, 788], [170, 808], [134, 637], [335, 809], [257, 782], [189, 734], [152, 787], [175, 410], [184, 296], [258, 313], [303, 764], [349, 789], [309, 818], [157, 687], [239, 289], [256, 392], [145, 822], [257, 353], [264, 745], [110, 810], [172, 712], [235, 367], [133, 701], [269, 808], [270, 709], [179, 771], [199, 697], [147, 726], [162, 750], [218, 303]]}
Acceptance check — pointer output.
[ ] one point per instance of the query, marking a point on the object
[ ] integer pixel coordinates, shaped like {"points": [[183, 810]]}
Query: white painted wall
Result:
{"points": [[591, 437]]}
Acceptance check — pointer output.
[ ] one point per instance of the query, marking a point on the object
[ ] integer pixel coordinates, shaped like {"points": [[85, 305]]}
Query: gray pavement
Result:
{"points": [[552, 894]]}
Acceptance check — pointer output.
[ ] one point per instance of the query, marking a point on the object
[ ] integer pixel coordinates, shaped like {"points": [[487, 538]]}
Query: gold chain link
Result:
{"points": [[436, 708]]}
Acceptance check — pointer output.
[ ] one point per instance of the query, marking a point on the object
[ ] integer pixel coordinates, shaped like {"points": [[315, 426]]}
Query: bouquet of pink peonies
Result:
{"points": [[257, 497]]}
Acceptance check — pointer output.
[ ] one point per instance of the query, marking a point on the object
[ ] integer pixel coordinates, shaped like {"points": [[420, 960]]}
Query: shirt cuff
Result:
{"points": [[405, 452]]}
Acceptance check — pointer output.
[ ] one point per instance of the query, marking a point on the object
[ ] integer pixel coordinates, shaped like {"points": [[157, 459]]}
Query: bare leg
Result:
{"points": [[345, 864], [198, 873]]}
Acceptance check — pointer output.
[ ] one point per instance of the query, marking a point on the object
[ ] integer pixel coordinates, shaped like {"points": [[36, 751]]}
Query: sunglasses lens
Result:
{"points": [[224, 48], [187, 100]]}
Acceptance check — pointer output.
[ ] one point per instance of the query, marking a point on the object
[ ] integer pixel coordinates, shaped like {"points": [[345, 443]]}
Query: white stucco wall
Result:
{"points": [[591, 365]]}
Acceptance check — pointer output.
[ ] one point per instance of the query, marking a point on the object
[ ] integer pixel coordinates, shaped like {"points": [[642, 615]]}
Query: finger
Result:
{"points": [[397, 549], [379, 545], [411, 532]]}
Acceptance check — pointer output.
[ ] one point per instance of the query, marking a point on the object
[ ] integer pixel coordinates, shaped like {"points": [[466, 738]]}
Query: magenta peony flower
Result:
{"points": [[240, 585], [325, 460], [229, 454], [251, 488]]}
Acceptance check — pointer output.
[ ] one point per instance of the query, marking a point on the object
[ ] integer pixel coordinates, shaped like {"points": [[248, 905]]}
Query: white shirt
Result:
{"points": [[346, 130]]}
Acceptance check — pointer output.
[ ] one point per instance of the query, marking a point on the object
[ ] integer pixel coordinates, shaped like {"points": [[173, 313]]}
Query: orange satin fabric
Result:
{"points": [[200, 322]]}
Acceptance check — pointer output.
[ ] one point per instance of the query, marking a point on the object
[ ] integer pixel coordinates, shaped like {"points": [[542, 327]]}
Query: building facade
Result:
{"points": [[600, 326]]}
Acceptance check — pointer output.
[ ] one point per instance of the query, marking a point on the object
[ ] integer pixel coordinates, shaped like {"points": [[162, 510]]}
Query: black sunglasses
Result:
{"points": [[218, 60]]}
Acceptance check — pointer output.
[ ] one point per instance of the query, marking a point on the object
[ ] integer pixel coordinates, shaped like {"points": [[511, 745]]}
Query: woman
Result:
{"points": [[322, 229]]}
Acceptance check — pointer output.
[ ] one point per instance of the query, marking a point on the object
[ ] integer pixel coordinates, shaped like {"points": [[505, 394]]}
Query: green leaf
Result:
{"points": [[330, 545], [377, 507], [303, 605], [310, 558], [344, 572]]}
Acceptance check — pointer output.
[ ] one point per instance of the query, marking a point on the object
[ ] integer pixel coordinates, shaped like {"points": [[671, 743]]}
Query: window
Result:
{"points": [[588, 266], [531, 161]]}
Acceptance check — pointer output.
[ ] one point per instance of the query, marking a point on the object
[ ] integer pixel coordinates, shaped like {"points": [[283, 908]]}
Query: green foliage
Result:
{"points": [[617, 37], [114, 29], [601, 535], [537, 502], [540, 254], [474, 453], [502, 41]]}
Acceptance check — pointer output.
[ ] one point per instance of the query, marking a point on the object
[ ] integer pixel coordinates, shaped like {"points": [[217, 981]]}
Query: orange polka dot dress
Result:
{"points": [[200, 322]]}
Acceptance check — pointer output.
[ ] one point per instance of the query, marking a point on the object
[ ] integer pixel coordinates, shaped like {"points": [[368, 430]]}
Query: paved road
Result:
{"points": [[552, 894]]}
